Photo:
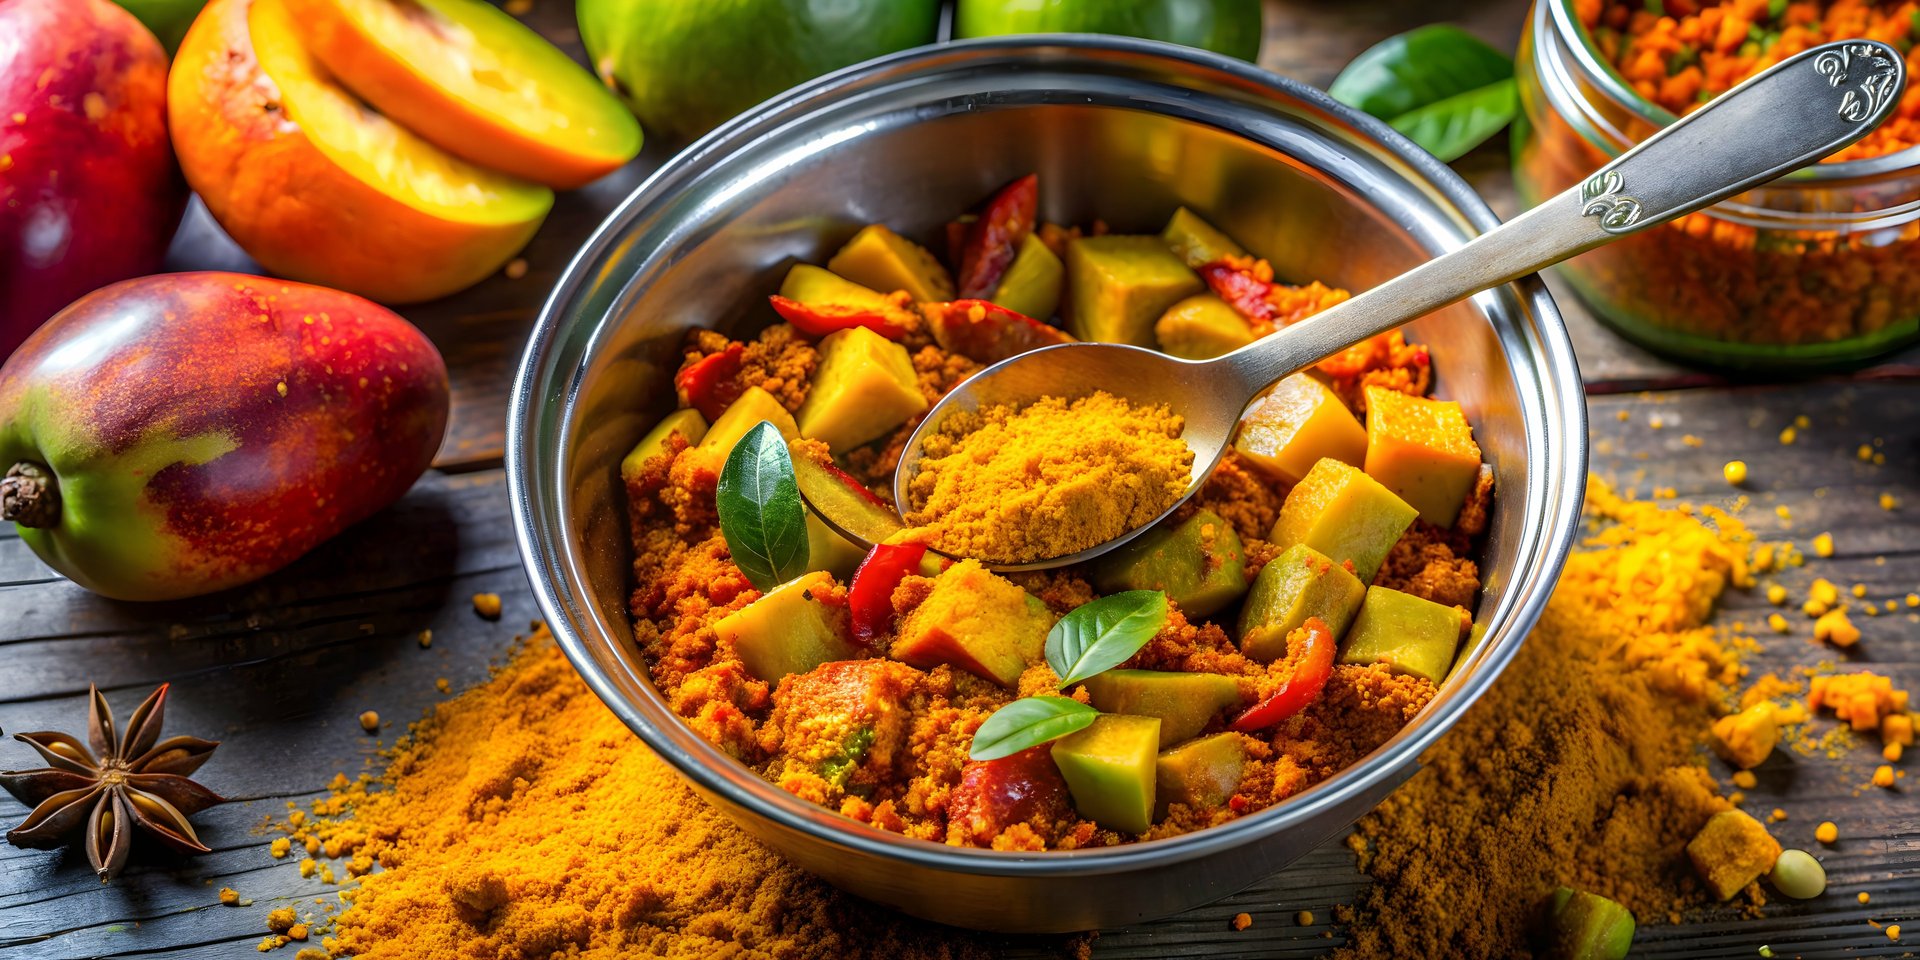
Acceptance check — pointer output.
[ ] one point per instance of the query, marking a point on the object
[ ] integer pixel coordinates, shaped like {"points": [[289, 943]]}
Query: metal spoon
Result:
{"points": [[1804, 108]]}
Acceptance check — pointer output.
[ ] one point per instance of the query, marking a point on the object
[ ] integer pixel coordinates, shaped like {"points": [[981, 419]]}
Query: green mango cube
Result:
{"points": [[1111, 768], [789, 630], [1118, 286], [1031, 285], [687, 423], [1584, 926], [1340, 511], [1299, 583], [1184, 703], [1197, 242], [1202, 774], [1200, 563], [1408, 634]]}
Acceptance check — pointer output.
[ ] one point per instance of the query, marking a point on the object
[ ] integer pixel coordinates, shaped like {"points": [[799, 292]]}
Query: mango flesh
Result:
{"points": [[194, 457], [789, 630], [1184, 703], [1202, 774], [829, 551], [1299, 583], [1345, 514], [1111, 770], [1408, 634], [1199, 563], [475, 82], [979, 622], [1031, 286], [884, 261], [820, 286], [685, 422], [1197, 242], [864, 388], [733, 423], [1423, 450], [84, 202], [1584, 926], [1119, 285], [1298, 423], [1201, 327]]}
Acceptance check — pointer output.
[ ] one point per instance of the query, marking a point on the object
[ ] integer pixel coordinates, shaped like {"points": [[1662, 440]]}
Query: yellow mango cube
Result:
{"points": [[1201, 327], [820, 287], [733, 423], [1297, 424], [1031, 286], [687, 423], [1345, 514], [885, 261], [1117, 286], [1422, 450], [864, 388]]}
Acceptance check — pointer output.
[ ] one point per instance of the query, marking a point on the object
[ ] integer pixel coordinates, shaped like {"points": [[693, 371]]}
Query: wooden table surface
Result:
{"points": [[282, 668]]}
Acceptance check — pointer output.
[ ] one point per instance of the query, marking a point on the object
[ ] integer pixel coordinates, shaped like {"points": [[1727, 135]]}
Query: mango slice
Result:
{"points": [[831, 552], [864, 388], [1183, 702], [884, 261], [1299, 422], [1201, 327], [1407, 633], [1031, 285], [1111, 770], [821, 287], [1422, 450], [1199, 562], [1202, 774], [1583, 926], [1299, 583], [789, 630], [1118, 286], [1345, 514], [733, 423], [979, 622], [687, 423], [1197, 242]]}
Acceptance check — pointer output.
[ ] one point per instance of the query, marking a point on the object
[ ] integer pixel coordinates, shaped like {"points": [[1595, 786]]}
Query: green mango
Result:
{"points": [[1405, 632], [1231, 27], [1199, 563], [1200, 773], [1183, 702], [1110, 769], [1299, 583]]}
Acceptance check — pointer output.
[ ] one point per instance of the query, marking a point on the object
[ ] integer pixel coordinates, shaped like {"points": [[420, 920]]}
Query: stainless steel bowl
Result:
{"points": [[1120, 130]]}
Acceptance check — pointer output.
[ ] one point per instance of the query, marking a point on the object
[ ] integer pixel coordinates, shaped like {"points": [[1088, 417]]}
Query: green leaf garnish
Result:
{"points": [[1443, 87], [761, 513], [1098, 636], [1029, 722]]}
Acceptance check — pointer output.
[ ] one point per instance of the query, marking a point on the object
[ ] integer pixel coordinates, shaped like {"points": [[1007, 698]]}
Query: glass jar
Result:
{"points": [[1817, 270]]}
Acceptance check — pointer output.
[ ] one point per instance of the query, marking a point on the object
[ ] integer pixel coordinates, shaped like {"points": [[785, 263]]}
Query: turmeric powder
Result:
{"points": [[522, 819], [1048, 479]]}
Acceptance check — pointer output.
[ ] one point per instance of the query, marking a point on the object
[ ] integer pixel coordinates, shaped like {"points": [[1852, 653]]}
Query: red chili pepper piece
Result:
{"points": [[870, 597], [711, 383], [820, 319], [993, 240], [987, 332], [1246, 293], [996, 794], [1301, 689]]}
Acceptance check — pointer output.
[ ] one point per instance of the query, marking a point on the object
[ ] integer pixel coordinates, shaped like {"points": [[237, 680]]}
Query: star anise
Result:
{"points": [[126, 780]]}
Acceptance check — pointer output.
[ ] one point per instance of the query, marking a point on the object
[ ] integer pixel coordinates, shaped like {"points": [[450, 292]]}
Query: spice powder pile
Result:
{"points": [[1048, 479], [523, 820]]}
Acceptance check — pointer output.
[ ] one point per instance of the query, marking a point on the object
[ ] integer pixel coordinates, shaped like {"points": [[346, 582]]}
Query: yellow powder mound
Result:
{"points": [[1048, 479], [1579, 767], [522, 820]]}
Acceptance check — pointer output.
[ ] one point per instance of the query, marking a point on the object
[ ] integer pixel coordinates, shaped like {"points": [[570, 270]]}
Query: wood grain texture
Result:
{"points": [[282, 669]]}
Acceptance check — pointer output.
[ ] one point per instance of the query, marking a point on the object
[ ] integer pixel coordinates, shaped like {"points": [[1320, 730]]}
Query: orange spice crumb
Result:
{"points": [[1827, 832], [230, 896], [369, 721], [279, 848], [487, 605], [1883, 776], [281, 920], [1241, 921]]}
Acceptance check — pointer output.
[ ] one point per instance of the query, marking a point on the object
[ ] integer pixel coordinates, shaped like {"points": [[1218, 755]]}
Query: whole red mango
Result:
{"points": [[181, 434], [89, 192]]}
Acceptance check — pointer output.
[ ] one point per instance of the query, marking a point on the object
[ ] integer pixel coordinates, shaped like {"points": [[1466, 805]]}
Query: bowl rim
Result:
{"points": [[1558, 386]]}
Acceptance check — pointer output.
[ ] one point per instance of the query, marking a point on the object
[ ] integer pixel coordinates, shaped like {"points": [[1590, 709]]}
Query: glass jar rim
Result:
{"points": [[1575, 39]]}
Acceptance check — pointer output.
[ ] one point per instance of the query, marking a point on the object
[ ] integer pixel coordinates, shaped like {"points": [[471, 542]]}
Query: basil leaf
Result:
{"points": [[1098, 636], [761, 513], [1029, 722], [1443, 87]]}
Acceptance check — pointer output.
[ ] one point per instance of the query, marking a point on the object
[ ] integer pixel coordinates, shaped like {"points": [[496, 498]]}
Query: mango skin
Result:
{"points": [[182, 466], [89, 193]]}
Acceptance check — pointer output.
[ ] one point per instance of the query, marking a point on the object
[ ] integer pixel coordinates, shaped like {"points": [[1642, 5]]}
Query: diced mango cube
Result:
{"points": [[1197, 242], [1199, 563], [1031, 285], [1118, 286], [1423, 450], [864, 388], [1745, 739], [1184, 702], [977, 621], [1731, 851], [1406, 633], [687, 422], [1897, 728], [821, 287], [1201, 327], [885, 261], [1345, 514], [1295, 425], [1299, 583], [789, 630], [1110, 769], [1203, 773], [733, 423]]}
